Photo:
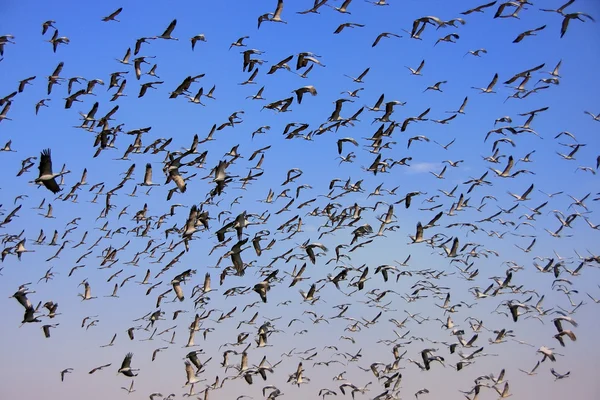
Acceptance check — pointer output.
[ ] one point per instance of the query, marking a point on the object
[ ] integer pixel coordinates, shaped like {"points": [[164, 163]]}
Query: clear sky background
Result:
{"points": [[32, 363]]}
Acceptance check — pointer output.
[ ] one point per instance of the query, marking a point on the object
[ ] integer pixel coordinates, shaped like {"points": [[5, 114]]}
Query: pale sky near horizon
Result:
{"points": [[32, 363]]}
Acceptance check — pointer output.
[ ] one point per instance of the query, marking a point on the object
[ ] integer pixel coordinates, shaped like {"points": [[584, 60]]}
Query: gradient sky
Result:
{"points": [[32, 363]]}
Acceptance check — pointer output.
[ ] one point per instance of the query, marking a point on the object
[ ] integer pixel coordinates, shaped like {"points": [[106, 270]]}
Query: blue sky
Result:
{"points": [[92, 52]]}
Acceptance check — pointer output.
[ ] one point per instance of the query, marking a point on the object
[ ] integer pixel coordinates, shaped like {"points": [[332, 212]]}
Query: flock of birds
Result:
{"points": [[149, 246]]}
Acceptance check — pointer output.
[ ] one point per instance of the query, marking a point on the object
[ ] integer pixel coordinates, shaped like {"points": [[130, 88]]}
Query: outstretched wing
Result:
{"points": [[148, 174], [170, 28], [45, 166], [127, 361], [52, 186]]}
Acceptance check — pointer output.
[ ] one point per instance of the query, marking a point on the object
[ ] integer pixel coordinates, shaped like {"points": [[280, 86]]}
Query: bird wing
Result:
{"points": [[52, 186], [127, 361], [170, 28], [365, 72], [148, 174], [178, 179], [493, 82], [178, 291], [564, 26], [45, 166], [278, 10], [189, 371], [528, 191], [59, 68]]}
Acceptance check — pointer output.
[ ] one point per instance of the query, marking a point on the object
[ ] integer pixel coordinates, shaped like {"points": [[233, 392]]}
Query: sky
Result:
{"points": [[33, 362]]}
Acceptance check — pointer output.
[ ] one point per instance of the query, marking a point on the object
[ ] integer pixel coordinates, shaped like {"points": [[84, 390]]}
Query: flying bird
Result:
{"points": [[112, 16], [126, 366], [167, 33], [46, 176]]}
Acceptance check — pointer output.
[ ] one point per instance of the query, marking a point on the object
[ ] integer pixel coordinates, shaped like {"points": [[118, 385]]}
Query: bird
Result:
{"points": [[5, 111], [190, 373], [273, 17], [129, 389], [340, 28], [384, 35], [435, 87], [504, 392], [64, 372], [418, 70], [561, 9], [262, 288], [305, 89], [522, 197], [451, 38], [359, 79], [558, 376], [568, 17], [342, 8], [56, 40], [112, 16], [125, 368], [46, 176], [167, 33], [532, 372], [277, 15], [239, 42], [24, 82], [99, 368], [197, 38], [478, 9], [595, 117], [87, 294], [531, 32], [46, 329], [340, 143], [461, 109], [476, 53], [490, 87], [46, 25], [7, 147]]}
